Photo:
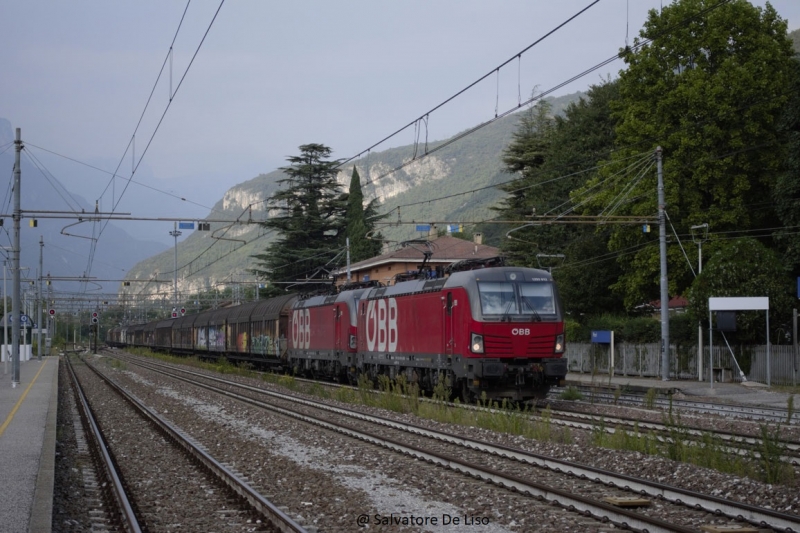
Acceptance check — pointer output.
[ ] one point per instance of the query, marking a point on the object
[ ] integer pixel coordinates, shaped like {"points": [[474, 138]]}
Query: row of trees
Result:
{"points": [[313, 218], [715, 84]]}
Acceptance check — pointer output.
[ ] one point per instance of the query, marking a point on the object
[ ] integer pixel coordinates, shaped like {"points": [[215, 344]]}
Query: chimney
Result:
{"points": [[478, 238], [432, 233]]}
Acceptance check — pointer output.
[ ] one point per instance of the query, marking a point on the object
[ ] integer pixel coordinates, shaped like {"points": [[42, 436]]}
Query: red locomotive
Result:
{"points": [[496, 332]]}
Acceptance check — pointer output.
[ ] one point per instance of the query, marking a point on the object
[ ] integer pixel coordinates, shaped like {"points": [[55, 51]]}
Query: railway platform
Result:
{"points": [[745, 393], [27, 446]]}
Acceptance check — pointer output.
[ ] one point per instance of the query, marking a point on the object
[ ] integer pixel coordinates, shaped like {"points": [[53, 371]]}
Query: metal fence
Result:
{"points": [[644, 360]]}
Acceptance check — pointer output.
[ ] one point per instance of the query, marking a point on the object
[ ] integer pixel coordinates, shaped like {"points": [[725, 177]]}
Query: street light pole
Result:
{"points": [[175, 233], [39, 301], [699, 239]]}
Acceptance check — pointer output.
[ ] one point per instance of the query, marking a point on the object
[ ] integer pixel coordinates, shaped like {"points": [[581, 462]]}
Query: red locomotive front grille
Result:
{"points": [[539, 346]]}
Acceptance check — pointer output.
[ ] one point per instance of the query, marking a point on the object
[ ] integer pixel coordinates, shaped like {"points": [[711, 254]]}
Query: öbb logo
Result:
{"points": [[301, 329], [521, 331], [382, 325]]}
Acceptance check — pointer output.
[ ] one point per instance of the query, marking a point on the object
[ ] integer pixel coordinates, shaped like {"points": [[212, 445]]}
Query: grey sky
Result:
{"points": [[271, 76]]}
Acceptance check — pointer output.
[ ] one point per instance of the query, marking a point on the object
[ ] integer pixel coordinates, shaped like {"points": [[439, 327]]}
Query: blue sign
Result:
{"points": [[24, 319], [454, 228], [602, 336], [185, 225], [423, 227]]}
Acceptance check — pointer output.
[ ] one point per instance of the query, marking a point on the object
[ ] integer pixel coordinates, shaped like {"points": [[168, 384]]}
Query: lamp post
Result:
{"points": [[39, 302], [175, 233], [699, 236]]}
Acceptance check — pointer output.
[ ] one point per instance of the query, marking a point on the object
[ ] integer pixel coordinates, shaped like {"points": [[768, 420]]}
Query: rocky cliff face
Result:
{"points": [[379, 183]]}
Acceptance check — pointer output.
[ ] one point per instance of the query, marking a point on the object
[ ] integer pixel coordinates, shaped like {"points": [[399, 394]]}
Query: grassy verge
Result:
{"points": [[762, 463]]}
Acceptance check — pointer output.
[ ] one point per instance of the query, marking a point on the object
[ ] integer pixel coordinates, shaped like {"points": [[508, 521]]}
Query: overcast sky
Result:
{"points": [[270, 76]]}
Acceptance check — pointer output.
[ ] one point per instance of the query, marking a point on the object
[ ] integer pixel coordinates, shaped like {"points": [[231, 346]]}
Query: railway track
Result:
{"points": [[732, 442], [145, 487], [640, 399], [603, 495], [739, 443], [108, 506]]}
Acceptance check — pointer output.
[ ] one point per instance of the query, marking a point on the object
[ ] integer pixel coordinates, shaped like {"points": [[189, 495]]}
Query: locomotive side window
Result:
{"points": [[537, 297], [497, 298]]}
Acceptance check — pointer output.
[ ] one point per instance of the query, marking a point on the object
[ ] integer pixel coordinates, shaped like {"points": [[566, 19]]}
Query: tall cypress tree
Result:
{"points": [[309, 222], [360, 221]]}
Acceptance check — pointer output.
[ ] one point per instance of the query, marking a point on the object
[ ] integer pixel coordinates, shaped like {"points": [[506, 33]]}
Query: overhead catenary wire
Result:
{"points": [[471, 85], [155, 131], [127, 178], [470, 131]]}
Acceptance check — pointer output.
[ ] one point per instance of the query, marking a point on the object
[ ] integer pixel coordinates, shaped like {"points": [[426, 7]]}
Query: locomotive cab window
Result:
{"points": [[506, 298], [497, 298], [538, 298]]}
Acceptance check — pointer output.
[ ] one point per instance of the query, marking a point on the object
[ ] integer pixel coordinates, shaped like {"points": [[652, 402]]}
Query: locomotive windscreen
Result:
{"points": [[506, 298]]}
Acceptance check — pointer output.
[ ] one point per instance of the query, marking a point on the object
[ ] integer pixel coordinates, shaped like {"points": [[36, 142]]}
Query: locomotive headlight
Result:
{"points": [[352, 341], [476, 343], [560, 343]]}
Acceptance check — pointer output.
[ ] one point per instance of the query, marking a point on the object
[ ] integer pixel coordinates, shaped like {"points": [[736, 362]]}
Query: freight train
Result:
{"points": [[481, 330]]}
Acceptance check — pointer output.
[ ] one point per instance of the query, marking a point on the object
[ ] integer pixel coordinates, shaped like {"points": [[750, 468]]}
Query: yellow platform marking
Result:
{"points": [[19, 402]]}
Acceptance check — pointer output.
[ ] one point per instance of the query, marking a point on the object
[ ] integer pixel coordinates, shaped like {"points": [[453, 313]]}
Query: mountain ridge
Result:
{"points": [[452, 181]]}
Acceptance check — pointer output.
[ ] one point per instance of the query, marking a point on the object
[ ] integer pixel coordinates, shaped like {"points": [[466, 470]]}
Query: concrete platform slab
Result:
{"points": [[27, 446]]}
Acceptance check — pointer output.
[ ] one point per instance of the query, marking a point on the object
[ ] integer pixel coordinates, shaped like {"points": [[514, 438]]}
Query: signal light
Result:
{"points": [[94, 314]]}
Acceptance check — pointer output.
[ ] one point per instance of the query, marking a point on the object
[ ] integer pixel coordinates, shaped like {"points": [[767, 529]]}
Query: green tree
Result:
{"points": [[309, 220], [744, 267], [554, 156], [583, 138], [786, 194], [706, 80], [526, 155], [360, 221]]}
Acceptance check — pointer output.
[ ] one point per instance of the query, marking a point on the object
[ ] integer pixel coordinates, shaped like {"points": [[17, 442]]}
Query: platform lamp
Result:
{"points": [[699, 236]]}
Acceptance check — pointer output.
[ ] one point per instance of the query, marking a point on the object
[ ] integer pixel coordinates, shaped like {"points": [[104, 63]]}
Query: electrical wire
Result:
{"points": [[130, 179], [155, 131], [468, 87]]}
